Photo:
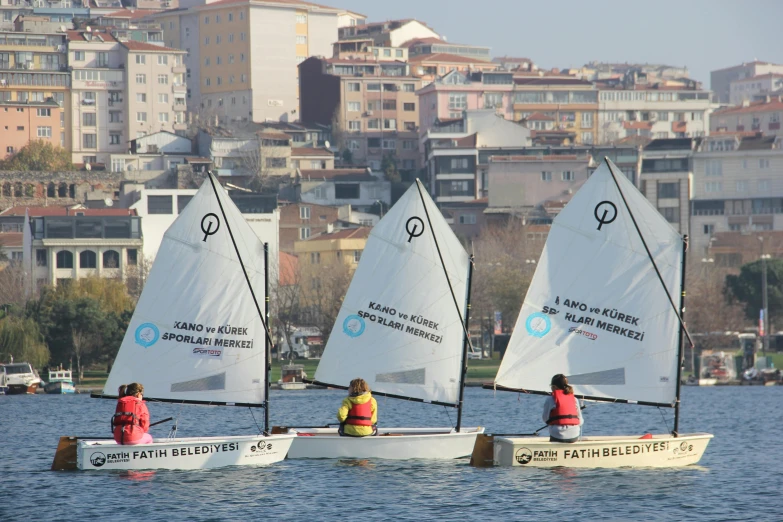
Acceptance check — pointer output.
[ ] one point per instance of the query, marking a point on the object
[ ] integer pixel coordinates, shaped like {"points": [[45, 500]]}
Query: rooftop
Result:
{"points": [[311, 151], [133, 45], [670, 144], [336, 175], [293, 3], [774, 104], [446, 57], [94, 36], [11, 239], [66, 211], [351, 233]]}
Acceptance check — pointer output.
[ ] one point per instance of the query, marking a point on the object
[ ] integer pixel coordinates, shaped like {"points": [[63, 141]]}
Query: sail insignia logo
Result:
{"points": [[353, 326], [147, 334], [538, 324]]}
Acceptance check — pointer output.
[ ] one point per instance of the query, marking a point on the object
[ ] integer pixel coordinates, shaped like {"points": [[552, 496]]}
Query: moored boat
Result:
{"points": [[605, 308], [21, 379], [60, 382]]}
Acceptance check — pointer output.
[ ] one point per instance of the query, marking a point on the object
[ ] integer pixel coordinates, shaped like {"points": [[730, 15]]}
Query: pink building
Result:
{"points": [[447, 97]]}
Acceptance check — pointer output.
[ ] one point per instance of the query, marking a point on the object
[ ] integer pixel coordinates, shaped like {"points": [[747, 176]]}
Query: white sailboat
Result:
{"points": [[604, 308], [402, 329], [198, 336]]}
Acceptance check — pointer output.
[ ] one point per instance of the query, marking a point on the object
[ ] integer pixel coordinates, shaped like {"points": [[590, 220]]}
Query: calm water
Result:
{"points": [[739, 477]]}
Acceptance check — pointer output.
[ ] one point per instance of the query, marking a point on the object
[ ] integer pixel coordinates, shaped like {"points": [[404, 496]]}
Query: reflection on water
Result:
{"points": [[738, 478]]}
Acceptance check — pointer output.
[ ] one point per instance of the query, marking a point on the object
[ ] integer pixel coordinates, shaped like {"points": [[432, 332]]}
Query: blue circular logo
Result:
{"points": [[538, 324], [147, 334], [353, 326]]}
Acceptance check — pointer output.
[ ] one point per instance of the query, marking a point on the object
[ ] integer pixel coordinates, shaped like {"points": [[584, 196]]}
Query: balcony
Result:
{"points": [[179, 107], [115, 103], [179, 87], [180, 126], [177, 69]]}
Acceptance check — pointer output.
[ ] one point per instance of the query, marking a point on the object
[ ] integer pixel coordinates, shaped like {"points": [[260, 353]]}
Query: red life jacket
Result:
{"points": [[360, 414], [126, 421], [565, 412]]}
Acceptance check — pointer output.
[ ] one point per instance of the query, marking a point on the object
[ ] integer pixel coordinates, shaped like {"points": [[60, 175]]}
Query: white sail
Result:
{"points": [[596, 311], [196, 334], [399, 328]]}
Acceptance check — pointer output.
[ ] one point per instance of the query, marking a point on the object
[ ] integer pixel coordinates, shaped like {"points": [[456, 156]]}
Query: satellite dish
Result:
{"points": [[326, 144], [87, 166], [88, 29], [109, 202], [62, 28]]}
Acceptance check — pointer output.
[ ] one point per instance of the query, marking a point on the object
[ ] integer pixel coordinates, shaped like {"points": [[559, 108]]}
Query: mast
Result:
{"points": [[464, 364], [267, 344], [680, 351]]}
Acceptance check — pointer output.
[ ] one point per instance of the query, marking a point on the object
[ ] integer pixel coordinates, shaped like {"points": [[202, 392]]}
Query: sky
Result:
{"points": [[704, 35]]}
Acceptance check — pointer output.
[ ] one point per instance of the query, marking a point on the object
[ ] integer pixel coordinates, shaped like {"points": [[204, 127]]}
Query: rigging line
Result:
{"points": [[254, 420], [443, 265], [649, 254], [664, 421]]}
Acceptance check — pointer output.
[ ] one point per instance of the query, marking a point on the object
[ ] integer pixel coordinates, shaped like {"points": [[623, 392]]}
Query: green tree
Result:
{"points": [[39, 155], [347, 156], [745, 289], [389, 168], [21, 338]]}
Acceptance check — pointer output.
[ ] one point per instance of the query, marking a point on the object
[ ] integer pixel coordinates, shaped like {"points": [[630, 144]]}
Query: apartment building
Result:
{"points": [[34, 83], [373, 103], [243, 54], [736, 187], [448, 96], [391, 33], [300, 221], [720, 80], [121, 90], [458, 153], [755, 87], [665, 178], [571, 101], [750, 117], [638, 106], [357, 188]]}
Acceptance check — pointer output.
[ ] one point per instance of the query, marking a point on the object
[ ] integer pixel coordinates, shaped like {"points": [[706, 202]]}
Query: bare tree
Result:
{"points": [[136, 276], [12, 285], [266, 161], [285, 298], [322, 291]]}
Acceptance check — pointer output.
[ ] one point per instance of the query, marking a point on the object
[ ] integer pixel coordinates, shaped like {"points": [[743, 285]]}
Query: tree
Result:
{"points": [[745, 289], [389, 168], [347, 156], [322, 292], [39, 155], [266, 162], [12, 285], [21, 339], [285, 297]]}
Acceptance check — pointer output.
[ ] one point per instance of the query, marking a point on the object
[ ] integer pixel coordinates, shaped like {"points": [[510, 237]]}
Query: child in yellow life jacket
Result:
{"points": [[358, 414]]}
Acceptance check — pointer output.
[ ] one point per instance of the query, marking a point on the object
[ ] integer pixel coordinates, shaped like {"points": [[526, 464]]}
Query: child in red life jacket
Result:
{"points": [[358, 414], [562, 413], [131, 419]]}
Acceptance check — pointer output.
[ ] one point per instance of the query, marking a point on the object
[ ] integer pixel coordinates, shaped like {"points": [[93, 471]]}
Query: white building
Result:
{"points": [[737, 187], [337, 187], [158, 208], [749, 89], [720, 80]]}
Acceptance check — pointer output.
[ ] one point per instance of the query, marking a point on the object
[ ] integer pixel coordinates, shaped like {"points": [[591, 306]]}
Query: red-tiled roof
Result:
{"points": [[679, 126], [553, 157], [761, 106], [309, 151], [416, 41], [283, 2], [351, 233], [637, 125], [11, 239], [446, 58], [273, 134], [287, 269], [539, 116], [78, 36], [133, 45], [131, 14], [66, 211]]}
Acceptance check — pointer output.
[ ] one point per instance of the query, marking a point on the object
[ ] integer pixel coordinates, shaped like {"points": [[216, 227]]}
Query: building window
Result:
{"points": [[567, 175], [764, 163], [206, 40], [44, 113], [467, 219], [315, 258], [304, 232], [301, 39], [389, 144], [301, 18], [89, 141], [163, 59], [459, 164], [111, 259], [493, 100], [375, 123], [78, 56], [671, 214], [714, 168], [141, 97], [163, 117], [64, 259], [304, 212], [355, 126], [41, 257], [668, 190], [159, 205], [354, 87], [354, 106], [141, 59], [346, 191], [44, 132], [713, 186], [133, 257], [390, 124], [218, 39], [114, 117], [163, 98], [141, 79], [587, 138], [87, 259], [88, 119], [276, 163], [409, 87], [357, 255], [546, 176], [409, 107], [163, 79], [141, 116], [114, 138], [458, 101]]}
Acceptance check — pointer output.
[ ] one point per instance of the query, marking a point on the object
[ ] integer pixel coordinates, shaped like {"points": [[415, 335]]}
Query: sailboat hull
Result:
{"points": [[660, 451], [390, 443], [184, 453]]}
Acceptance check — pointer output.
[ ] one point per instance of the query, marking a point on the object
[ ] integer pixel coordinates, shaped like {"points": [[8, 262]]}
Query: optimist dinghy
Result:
{"points": [[198, 336], [604, 308], [402, 329]]}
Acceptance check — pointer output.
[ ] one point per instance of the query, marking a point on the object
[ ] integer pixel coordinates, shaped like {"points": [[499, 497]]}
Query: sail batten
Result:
{"points": [[598, 310], [196, 335], [398, 327]]}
